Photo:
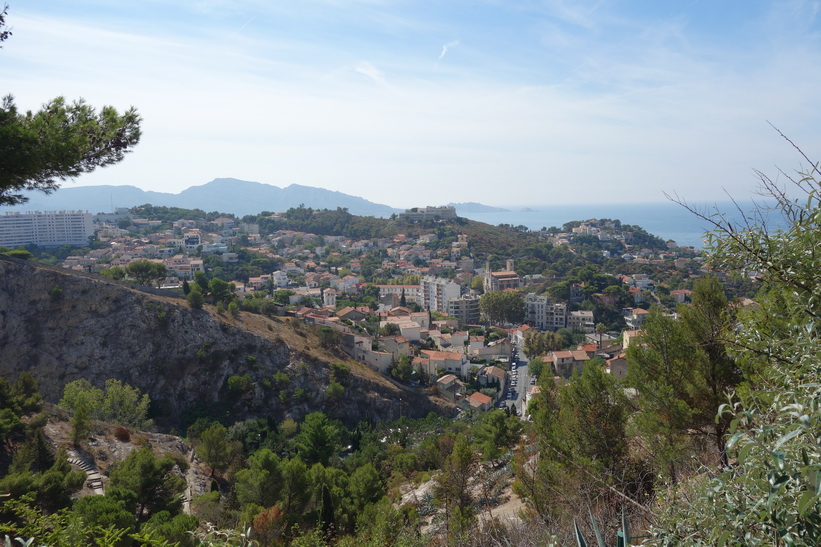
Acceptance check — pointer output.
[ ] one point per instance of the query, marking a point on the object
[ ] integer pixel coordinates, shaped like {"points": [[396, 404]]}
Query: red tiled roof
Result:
{"points": [[442, 355], [480, 398]]}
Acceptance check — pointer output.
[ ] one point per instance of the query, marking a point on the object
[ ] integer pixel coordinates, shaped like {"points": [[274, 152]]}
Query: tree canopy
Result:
{"points": [[770, 492], [60, 141], [503, 306]]}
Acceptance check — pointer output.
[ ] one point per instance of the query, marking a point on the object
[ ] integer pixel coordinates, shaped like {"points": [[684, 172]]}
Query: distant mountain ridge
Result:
{"points": [[226, 195]]}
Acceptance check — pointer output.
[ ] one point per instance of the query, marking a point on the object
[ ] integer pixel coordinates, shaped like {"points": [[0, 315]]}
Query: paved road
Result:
{"points": [[522, 383]]}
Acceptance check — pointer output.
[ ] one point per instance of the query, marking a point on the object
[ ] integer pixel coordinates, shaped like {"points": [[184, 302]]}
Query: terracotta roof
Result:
{"points": [[480, 399], [446, 379], [442, 355], [495, 371]]}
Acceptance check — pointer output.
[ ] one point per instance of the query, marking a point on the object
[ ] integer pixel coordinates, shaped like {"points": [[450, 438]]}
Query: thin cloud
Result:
{"points": [[367, 69], [446, 47]]}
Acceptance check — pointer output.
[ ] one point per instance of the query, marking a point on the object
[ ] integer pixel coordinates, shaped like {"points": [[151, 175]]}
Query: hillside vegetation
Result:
{"points": [[61, 326]]}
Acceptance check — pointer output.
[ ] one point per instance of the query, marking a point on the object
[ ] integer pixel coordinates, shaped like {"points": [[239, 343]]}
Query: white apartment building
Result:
{"points": [[46, 229], [280, 279], [544, 313], [436, 292], [428, 213]]}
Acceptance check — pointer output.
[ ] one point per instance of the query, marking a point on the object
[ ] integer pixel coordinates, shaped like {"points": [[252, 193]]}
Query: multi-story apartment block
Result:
{"points": [[437, 291], [544, 313], [465, 309], [47, 229], [581, 321]]}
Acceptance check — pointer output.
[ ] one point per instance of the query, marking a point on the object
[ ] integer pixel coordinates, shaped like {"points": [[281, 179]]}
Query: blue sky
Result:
{"points": [[422, 103]]}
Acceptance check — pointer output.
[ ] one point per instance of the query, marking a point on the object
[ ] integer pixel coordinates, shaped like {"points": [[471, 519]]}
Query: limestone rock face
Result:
{"points": [[61, 326]]}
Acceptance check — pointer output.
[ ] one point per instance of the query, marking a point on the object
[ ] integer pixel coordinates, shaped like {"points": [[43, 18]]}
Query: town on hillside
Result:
{"points": [[432, 304]]}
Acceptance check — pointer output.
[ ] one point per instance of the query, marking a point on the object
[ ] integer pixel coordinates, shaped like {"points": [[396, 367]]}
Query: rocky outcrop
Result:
{"points": [[61, 326]]}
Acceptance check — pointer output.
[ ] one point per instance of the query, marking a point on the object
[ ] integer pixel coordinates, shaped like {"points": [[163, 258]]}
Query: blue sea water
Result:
{"points": [[667, 220]]}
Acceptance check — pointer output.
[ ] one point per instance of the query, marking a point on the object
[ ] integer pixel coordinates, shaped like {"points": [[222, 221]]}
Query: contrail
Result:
{"points": [[246, 23]]}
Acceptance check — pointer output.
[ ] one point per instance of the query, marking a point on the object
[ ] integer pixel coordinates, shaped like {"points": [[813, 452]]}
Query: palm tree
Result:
{"points": [[600, 329]]}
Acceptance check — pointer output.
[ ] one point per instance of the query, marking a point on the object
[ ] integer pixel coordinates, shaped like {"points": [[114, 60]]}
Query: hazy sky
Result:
{"points": [[426, 102]]}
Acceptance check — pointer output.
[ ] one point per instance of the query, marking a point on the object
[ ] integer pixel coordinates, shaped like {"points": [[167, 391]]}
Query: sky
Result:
{"points": [[412, 103]]}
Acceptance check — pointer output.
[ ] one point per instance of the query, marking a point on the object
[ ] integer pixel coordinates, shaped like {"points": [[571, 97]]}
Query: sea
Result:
{"points": [[667, 220]]}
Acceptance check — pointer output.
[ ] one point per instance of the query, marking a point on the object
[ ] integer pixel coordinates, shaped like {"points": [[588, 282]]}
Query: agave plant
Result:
{"points": [[623, 541]]}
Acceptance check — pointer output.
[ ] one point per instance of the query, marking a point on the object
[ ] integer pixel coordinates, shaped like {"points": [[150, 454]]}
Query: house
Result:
{"points": [[580, 357], [355, 345], [495, 350], [637, 295], [396, 346], [617, 366], [450, 387], [628, 337], [408, 328], [635, 317], [399, 311], [380, 361], [480, 401], [589, 349], [449, 342], [422, 318], [351, 314], [680, 295], [493, 375], [412, 293], [518, 333], [447, 361], [565, 362], [329, 298], [475, 343]]}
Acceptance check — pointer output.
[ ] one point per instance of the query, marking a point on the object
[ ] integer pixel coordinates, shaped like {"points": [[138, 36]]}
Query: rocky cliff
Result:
{"points": [[61, 326]]}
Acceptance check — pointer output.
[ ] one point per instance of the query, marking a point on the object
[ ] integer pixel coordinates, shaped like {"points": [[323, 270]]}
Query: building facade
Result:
{"points": [[46, 229], [429, 213], [501, 280], [544, 313], [465, 309], [436, 292]]}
